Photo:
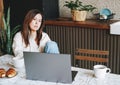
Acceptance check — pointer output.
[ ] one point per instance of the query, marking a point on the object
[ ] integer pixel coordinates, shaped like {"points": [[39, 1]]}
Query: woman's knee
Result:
{"points": [[51, 47]]}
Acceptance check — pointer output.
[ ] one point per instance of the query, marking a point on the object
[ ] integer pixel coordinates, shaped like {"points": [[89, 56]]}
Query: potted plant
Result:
{"points": [[78, 10], [6, 34], [1, 13]]}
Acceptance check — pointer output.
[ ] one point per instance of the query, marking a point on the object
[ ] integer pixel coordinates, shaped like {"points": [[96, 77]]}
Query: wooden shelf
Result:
{"points": [[88, 23]]}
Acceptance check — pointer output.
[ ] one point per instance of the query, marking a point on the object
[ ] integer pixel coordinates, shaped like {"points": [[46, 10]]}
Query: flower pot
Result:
{"points": [[78, 15]]}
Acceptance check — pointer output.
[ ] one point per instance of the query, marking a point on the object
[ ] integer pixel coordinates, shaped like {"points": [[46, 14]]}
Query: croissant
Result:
{"points": [[11, 72], [2, 72]]}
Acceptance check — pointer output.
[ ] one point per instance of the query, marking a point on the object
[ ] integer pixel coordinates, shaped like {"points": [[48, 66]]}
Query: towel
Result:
{"points": [[115, 28]]}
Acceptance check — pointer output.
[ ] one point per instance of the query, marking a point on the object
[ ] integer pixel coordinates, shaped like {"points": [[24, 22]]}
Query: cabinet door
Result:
{"points": [[51, 9]]}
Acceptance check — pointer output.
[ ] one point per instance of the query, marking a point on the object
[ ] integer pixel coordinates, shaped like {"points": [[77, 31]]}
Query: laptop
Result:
{"points": [[48, 67]]}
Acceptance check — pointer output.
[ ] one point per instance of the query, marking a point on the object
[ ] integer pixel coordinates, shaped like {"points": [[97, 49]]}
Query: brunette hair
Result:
{"points": [[26, 29]]}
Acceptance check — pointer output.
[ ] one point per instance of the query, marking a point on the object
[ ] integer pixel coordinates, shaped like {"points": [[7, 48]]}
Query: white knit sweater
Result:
{"points": [[19, 45]]}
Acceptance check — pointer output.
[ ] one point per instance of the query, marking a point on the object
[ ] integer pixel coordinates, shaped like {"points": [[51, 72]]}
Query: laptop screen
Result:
{"points": [[48, 67]]}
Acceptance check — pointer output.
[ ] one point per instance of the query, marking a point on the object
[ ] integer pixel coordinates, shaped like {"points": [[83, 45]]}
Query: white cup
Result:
{"points": [[100, 71], [18, 62]]}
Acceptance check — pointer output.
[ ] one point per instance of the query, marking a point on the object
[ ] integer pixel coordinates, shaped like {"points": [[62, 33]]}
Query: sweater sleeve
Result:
{"points": [[43, 41], [17, 45]]}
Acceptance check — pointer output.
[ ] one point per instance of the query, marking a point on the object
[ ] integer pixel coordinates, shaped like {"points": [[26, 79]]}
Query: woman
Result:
{"points": [[31, 38]]}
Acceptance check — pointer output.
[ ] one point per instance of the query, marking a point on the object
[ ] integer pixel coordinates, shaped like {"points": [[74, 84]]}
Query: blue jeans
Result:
{"points": [[51, 47]]}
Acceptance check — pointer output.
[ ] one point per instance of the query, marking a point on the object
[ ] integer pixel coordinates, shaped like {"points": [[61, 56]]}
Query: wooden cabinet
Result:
{"points": [[90, 34]]}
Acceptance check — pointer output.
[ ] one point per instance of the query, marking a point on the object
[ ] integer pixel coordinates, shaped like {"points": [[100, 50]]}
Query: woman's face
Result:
{"points": [[36, 22]]}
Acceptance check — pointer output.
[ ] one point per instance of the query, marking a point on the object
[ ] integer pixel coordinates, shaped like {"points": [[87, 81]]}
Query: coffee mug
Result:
{"points": [[100, 71], [18, 62]]}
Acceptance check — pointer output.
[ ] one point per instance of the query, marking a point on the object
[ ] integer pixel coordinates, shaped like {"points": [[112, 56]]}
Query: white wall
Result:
{"points": [[113, 5]]}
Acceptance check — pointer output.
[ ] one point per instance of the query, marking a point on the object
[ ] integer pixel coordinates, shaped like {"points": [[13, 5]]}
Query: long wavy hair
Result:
{"points": [[26, 28]]}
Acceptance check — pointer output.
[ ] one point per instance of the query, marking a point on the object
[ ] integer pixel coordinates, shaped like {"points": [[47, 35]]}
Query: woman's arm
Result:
{"points": [[17, 45], [45, 38]]}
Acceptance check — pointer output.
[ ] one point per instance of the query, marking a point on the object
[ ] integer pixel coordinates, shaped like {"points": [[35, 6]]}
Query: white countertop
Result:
{"points": [[84, 77]]}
